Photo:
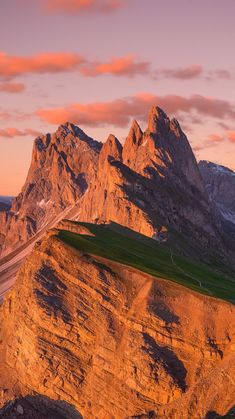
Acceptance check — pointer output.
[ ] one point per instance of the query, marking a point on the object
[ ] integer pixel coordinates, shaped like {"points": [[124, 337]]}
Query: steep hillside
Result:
{"points": [[102, 334]]}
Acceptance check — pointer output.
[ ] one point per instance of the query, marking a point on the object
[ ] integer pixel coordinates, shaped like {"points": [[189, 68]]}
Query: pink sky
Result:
{"points": [[101, 63]]}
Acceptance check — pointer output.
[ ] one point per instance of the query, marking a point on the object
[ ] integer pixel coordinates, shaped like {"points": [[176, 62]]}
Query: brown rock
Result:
{"points": [[113, 341]]}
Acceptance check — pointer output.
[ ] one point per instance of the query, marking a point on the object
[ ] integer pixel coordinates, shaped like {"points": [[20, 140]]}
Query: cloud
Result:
{"points": [[15, 132], [223, 125], [119, 112], [192, 71], [231, 136], [123, 66], [12, 87], [211, 141], [78, 6], [182, 73], [215, 138], [219, 74], [11, 66]]}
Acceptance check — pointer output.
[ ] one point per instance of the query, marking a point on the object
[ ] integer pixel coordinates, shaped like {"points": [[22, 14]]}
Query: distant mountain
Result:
{"points": [[220, 185], [5, 202], [152, 185], [6, 199]]}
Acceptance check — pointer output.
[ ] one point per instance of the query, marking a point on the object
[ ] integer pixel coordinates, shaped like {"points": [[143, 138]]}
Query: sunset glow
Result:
{"points": [[101, 63]]}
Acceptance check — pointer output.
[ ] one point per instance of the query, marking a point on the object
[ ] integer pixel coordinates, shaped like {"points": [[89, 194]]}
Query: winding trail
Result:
{"points": [[188, 275]]}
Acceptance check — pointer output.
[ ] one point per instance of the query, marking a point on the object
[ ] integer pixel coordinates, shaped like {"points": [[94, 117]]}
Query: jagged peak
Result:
{"points": [[68, 128], [135, 127], [135, 135], [157, 117], [111, 148]]}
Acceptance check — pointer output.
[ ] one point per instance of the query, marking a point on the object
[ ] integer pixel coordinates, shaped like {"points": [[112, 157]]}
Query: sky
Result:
{"points": [[102, 63]]}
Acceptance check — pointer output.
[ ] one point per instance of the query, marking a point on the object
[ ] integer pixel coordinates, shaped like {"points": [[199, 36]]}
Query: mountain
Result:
{"points": [[124, 306], [92, 321], [220, 185], [5, 203], [6, 199], [61, 168], [151, 184]]}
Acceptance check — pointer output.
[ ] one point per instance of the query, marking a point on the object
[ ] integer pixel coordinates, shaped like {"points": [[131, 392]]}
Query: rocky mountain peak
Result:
{"points": [[133, 141], [68, 129], [111, 149], [157, 119], [72, 133], [136, 132]]}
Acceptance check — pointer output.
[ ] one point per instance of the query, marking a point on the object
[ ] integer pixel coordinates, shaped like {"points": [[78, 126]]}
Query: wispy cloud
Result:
{"points": [[119, 112], [11, 65], [219, 74], [15, 132], [79, 6], [181, 73], [215, 139], [231, 136], [125, 66], [12, 87]]}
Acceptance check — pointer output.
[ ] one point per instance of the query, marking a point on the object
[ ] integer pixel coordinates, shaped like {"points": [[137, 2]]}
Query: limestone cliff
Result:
{"points": [[113, 341]]}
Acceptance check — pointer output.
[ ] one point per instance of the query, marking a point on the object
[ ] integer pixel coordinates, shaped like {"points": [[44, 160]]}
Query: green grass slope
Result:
{"points": [[129, 248]]}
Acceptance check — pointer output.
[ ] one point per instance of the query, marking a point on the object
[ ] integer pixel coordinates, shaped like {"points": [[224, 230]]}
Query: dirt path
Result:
{"points": [[188, 275]]}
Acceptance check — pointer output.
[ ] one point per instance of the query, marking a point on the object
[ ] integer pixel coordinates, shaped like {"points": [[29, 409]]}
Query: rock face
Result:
{"points": [[150, 184], [220, 184], [153, 183], [112, 341], [61, 169]]}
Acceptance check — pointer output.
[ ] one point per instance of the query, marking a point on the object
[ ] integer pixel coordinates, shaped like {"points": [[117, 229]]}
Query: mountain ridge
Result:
{"points": [[68, 164]]}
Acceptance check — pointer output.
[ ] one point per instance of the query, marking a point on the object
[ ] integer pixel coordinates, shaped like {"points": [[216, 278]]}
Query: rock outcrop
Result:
{"points": [[113, 341]]}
